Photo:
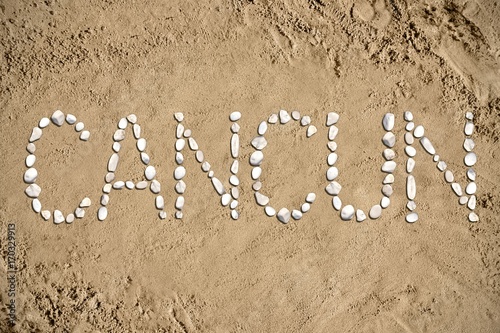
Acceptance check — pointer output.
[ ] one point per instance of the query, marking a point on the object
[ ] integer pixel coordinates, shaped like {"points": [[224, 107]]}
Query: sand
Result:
{"points": [[102, 60]]}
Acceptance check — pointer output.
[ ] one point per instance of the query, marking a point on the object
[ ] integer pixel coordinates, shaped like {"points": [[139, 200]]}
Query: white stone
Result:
{"points": [[256, 158], [409, 139], [31, 148], [107, 188], [116, 147], [310, 197], [113, 162], [179, 203], [283, 215], [469, 144], [180, 187], [311, 130], [259, 142], [442, 165], [448, 176], [233, 204], [193, 144], [295, 116], [270, 211], [129, 185], [347, 213], [473, 217], [471, 204], [46, 215], [387, 190], [261, 199], [306, 120], [284, 117], [389, 139], [410, 165], [150, 172], [333, 188], [435, 158], [85, 135], [178, 215], [234, 180], [389, 154], [218, 186], [360, 215], [119, 135], [469, 115], [256, 186], [180, 144], [412, 217], [332, 158], [305, 207], [137, 131], [57, 118], [35, 134], [110, 176], [235, 193], [163, 215], [79, 126], [262, 128], [410, 151], [179, 172], [427, 145], [145, 158], [385, 202], [388, 179], [179, 158], [471, 188], [332, 132], [388, 121], [225, 199], [234, 214], [179, 116], [141, 185], [411, 187], [104, 199], [296, 214], [141, 144], [33, 191], [463, 200], [470, 159], [179, 131], [410, 126], [332, 145], [235, 128], [30, 160], [37, 205], [471, 174], [235, 166], [337, 203], [375, 212], [332, 118], [408, 116], [122, 124], [469, 128], [102, 213], [235, 116], [118, 185], [273, 118], [30, 175], [411, 205], [389, 166], [256, 172], [132, 118], [58, 217], [205, 166], [159, 202], [457, 189], [70, 218], [44, 122], [419, 131], [332, 173]]}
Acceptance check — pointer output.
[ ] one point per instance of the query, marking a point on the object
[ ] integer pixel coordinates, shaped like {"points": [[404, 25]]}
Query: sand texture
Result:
{"points": [[103, 60]]}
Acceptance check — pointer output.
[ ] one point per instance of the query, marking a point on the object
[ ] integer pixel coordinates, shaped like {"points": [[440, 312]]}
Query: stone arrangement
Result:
{"points": [[184, 138], [257, 157], [31, 174], [469, 160], [348, 212]]}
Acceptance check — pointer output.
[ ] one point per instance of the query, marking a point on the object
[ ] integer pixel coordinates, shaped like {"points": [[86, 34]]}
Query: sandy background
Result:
{"points": [[102, 60]]}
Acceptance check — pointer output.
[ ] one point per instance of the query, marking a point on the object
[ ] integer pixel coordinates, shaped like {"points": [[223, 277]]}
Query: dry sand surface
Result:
{"points": [[102, 60]]}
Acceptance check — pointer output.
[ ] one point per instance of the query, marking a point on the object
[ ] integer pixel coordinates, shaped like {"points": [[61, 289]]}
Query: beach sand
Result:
{"points": [[133, 272]]}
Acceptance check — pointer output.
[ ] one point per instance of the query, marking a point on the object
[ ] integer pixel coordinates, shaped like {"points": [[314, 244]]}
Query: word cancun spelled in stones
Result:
{"points": [[229, 196]]}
